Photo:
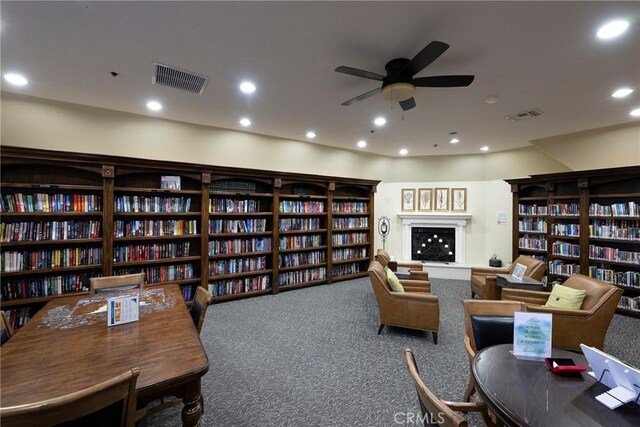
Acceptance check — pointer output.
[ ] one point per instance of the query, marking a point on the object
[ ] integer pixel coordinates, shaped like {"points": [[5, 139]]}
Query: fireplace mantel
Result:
{"points": [[457, 221]]}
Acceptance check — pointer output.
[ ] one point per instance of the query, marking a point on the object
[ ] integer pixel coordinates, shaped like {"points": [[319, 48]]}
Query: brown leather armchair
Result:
{"points": [[415, 267], [483, 279], [413, 309], [588, 325]]}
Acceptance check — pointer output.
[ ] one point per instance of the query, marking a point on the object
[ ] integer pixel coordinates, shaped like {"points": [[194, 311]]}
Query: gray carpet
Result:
{"points": [[313, 357]]}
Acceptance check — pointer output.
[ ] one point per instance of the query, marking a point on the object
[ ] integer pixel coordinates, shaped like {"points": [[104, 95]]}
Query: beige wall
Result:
{"points": [[37, 123]]}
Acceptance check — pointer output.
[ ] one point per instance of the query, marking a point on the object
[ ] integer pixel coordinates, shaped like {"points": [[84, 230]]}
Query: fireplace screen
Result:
{"points": [[433, 244]]}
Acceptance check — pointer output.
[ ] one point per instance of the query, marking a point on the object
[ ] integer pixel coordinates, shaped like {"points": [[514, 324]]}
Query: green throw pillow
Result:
{"points": [[564, 297], [393, 281]]}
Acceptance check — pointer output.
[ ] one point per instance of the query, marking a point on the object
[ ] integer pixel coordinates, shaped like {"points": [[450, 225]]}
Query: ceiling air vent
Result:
{"points": [[525, 115], [176, 78]]}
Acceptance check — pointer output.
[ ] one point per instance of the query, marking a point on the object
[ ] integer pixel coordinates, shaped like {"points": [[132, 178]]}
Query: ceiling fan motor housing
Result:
{"points": [[397, 85]]}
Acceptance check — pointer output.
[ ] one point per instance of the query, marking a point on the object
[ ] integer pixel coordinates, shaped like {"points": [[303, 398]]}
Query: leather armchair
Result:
{"points": [[588, 325], [483, 279], [415, 267], [413, 309]]}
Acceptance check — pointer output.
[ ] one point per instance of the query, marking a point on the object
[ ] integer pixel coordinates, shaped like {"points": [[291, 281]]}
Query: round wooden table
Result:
{"points": [[526, 393]]}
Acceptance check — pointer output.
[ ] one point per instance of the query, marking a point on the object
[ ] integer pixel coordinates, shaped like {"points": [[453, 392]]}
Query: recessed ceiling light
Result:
{"points": [[485, 148], [245, 122], [403, 152], [491, 99], [635, 113], [247, 87], [380, 121], [621, 93], [612, 29], [362, 143], [16, 79], [311, 134], [154, 106], [453, 138]]}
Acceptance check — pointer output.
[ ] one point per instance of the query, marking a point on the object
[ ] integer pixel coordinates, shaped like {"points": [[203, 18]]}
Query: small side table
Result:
{"points": [[527, 283]]}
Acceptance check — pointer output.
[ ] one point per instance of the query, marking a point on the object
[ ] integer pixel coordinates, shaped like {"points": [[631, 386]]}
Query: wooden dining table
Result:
{"points": [[67, 346]]}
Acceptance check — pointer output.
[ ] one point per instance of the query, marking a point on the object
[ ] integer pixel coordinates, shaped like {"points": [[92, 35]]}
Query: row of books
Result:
{"points": [[301, 206], [152, 204], [613, 254], [561, 209], [346, 269], [44, 286], [296, 224], [532, 209], [235, 205], [156, 228], [301, 276], [615, 229], [43, 259], [350, 207], [128, 253], [45, 202], [630, 279], [349, 253], [299, 242], [301, 258], [565, 249], [537, 225], [188, 292], [248, 225], [558, 267], [558, 229], [236, 286], [350, 238], [630, 303], [238, 246], [161, 273], [49, 230], [358, 222], [237, 265], [530, 243], [630, 209], [18, 317]]}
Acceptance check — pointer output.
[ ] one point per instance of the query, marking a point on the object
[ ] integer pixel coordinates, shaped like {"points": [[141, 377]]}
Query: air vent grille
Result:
{"points": [[525, 115], [176, 78]]}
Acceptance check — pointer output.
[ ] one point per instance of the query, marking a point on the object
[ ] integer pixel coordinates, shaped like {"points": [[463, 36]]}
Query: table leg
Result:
{"points": [[193, 404]]}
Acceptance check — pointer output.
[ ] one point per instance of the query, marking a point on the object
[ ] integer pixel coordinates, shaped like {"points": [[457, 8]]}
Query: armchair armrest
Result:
{"points": [[418, 275], [558, 311], [488, 271], [523, 295], [411, 265], [415, 296], [420, 285]]}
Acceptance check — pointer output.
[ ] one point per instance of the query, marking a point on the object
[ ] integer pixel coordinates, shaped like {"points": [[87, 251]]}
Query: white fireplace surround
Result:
{"points": [[457, 221]]}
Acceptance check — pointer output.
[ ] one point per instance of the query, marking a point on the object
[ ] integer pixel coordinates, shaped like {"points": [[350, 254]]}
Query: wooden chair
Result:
{"points": [[125, 282], [441, 412], [475, 307], [199, 306], [6, 331], [72, 408]]}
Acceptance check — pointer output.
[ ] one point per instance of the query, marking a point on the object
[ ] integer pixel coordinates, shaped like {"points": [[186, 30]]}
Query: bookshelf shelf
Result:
{"points": [[28, 243], [156, 191], [240, 214], [350, 276], [239, 255], [156, 261], [148, 238], [309, 248], [343, 261], [51, 214], [244, 274], [58, 270], [302, 267], [317, 231], [247, 234], [301, 285]]}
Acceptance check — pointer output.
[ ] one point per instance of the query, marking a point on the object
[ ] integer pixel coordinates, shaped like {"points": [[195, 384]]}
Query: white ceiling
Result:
{"points": [[542, 55]]}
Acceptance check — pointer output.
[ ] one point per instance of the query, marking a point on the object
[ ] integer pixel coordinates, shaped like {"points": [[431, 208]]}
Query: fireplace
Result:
{"points": [[438, 224], [433, 244]]}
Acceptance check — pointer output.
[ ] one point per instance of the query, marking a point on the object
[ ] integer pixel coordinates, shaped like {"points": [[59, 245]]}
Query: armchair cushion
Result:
{"points": [[394, 282], [564, 297]]}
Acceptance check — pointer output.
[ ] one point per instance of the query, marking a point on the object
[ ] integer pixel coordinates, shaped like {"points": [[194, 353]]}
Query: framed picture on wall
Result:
{"points": [[425, 197], [408, 199], [458, 199], [442, 199]]}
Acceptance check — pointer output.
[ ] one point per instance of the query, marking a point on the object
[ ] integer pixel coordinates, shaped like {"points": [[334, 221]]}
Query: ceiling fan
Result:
{"points": [[399, 84]]}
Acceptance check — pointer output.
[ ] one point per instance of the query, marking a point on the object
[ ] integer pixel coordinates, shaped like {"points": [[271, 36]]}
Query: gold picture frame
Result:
{"points": [[441, 200], [425, 199], [408, 199], [458, 200]]}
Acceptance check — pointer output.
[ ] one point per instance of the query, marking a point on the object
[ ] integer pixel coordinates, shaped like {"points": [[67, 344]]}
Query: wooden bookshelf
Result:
{"points": [[112, 216], [590, 222]]}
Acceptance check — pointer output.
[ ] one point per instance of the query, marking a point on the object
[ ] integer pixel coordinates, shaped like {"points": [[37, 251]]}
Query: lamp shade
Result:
{"points": [[398, 91]]}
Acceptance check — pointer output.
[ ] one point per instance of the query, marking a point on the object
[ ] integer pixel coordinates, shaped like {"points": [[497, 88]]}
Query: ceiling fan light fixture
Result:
{"points": [[398, 91]]}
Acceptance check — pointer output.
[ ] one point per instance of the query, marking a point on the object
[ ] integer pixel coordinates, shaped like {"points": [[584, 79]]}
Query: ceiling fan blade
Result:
{"points": [[443, 81], [360, 73], [361, 97], [425, 57], [408, 104]]}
